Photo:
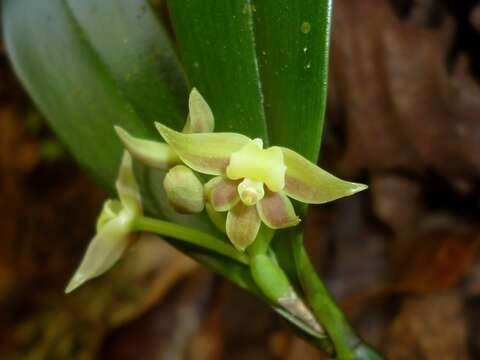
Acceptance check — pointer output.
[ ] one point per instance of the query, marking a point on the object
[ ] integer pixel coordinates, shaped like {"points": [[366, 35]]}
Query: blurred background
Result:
{"points": [[401, 258]]}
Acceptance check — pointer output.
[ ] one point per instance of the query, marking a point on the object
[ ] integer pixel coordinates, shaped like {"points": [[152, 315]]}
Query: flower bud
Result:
{"points": [[184, 190]]}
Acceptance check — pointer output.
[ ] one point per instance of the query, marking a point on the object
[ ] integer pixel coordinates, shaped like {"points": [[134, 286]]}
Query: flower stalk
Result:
{"points": [[191, 236], [348, 345]]}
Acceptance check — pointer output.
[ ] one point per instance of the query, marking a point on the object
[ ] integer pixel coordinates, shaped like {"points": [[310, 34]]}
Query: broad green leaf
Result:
{"points": [[292, 39], [89, 65], [217, 46], [292, 43]]}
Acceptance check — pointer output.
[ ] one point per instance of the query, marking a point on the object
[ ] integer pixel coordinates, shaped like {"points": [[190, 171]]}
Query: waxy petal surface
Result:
{"points": [[308, 183], [222, 193], [207, 153], [111, 208], [184, 190], [127, 188], [104, 250], [154, 154], [253, 162], [276, 211], [242, 226], [200, 119]]}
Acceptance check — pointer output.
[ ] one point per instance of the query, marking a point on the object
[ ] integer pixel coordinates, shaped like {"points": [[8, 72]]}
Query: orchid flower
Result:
{"points": [[250, 183], [254, 184], [114, 228]]}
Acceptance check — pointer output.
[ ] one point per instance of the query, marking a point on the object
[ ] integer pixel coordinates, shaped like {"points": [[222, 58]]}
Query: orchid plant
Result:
{"points": [[228, 185], [251, 184]]}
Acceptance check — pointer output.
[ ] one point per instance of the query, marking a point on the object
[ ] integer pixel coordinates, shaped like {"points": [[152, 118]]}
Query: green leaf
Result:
{"points": [[292, 39], [86, 76], [217, 45]]}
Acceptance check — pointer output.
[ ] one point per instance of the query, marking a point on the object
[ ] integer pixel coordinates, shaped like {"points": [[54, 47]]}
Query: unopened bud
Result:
{"points": [[184, 190]]}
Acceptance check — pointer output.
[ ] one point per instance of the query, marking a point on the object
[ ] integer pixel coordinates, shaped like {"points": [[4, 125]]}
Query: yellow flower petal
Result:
{"points": [[152, 153], [253, 162], [308, 183], [127, 187], [207, 153], [243, 224], [276, 211], [200, 118], [105, 249]]}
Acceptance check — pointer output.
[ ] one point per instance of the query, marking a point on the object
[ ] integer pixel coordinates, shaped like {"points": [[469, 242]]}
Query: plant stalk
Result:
{"points": [[348, 346], [191, 236]]}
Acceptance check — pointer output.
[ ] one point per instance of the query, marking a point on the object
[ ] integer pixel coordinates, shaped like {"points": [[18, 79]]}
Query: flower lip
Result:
{"points": [[253, 162]]}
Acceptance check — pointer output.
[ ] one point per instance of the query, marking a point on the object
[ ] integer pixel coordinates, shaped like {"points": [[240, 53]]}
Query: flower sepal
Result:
{"points": [[115, 229]]}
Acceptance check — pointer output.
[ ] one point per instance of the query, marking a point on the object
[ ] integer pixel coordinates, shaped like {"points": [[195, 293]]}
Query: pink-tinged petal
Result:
{"points": [[127, 188], [200, 119], [276, 210], [105, 249], [222, 193], [251, 191], [243, 224], [308, 183], [152, 153], [207, 153]]}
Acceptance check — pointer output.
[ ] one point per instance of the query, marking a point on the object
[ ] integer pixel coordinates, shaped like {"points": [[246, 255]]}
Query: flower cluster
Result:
{"points": [[252, 184]]}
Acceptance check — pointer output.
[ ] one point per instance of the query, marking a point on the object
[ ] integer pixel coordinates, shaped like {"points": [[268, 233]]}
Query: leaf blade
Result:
{"points": [[292, 45], [73, 86], [218, 50]]}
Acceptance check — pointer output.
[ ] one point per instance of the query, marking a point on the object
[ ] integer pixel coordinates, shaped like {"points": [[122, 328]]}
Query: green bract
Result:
{"points": [[114, 228]]}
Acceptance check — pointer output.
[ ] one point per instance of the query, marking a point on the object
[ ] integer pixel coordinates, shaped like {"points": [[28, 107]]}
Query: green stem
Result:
{"points": [[262, 242], [347, 344], [191, 236]]}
